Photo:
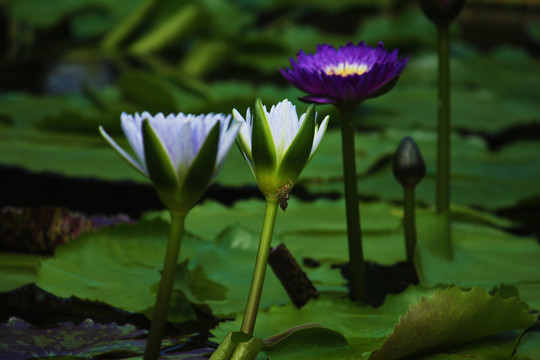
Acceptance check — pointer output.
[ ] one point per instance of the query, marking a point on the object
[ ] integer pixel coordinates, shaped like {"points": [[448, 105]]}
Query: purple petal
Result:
{"points": [[309, 72]]}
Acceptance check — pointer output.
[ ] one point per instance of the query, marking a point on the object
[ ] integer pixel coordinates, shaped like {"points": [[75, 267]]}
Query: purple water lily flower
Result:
{"points": [[349, 74]]}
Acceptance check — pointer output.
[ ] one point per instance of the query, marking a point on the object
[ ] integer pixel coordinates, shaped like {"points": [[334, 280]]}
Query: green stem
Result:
{"points": [[356, 257], [254, 298], [157, 328], [443, 127], [410, 224]]}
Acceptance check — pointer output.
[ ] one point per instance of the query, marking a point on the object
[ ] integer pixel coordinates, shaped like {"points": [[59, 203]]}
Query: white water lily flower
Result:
{"points": [[278, 145], [180, 153]]}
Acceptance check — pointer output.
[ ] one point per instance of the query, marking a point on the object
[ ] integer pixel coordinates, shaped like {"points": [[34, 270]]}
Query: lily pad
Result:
{"points": [[456, 318], [482, 256], [292, 344], [452, 317], [17, 269], [120, 266], [309, 218], [335, 311]]}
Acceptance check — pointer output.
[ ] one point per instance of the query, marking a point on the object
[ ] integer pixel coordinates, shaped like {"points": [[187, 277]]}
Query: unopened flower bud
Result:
{"points": [[278, 144], [409, 166]]}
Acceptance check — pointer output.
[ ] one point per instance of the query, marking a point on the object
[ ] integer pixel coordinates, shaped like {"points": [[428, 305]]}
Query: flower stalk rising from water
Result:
{"points": [[442, 13], [181, 154], [277, 146], [345, 78], [409, 169]]}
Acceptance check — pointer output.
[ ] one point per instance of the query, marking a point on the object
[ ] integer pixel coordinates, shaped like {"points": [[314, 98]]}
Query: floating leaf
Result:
{"points": [[304, 342], [482, 256], [452, 317], [308, 218], [120, 266], [17, 270], [67, 154], [358, 323]]}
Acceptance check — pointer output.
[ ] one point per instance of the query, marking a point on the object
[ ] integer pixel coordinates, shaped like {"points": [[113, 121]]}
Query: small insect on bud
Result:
{"points": [[409, 166], [442, 12], [283, 195]]}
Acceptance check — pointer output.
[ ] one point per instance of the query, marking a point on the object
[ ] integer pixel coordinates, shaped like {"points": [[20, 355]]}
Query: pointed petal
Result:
{"points": [[298, 153], [122, 152], [132, 129], [244, 137], [318, 137], [200, 172], [286, 118], [225, 142], [183, 150]]}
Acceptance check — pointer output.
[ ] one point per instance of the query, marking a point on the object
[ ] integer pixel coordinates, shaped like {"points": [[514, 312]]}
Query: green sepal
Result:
{"points": [[158, 163], [297, 155], [263, 148], [200, 172], [238, 346]]}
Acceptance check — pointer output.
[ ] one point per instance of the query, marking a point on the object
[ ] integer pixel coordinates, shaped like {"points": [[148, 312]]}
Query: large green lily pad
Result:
{"points": [[120, 266], [454, 318], [335, 311], [309, 218], [482, 256]]}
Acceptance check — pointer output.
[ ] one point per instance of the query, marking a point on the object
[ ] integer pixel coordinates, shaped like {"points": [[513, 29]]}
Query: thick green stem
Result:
{"points": [[443, 127], [410, 224], [250, 315], [356, 257], [157, 328]]}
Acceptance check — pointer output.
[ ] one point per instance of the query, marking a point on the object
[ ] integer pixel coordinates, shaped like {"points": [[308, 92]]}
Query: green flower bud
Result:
{"points": [[278, 145], [409, 166]]}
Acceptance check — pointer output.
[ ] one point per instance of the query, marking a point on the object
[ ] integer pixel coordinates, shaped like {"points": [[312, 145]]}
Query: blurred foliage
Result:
{"points": [[73, 65]]}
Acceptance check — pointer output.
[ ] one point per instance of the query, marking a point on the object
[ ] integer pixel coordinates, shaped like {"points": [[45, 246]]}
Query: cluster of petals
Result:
{"points": [[284, 125], [351, 73], [182, 136]]}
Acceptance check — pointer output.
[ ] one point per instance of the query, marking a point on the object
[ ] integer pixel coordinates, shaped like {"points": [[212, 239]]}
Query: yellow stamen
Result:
{"points": [[346, 69]]}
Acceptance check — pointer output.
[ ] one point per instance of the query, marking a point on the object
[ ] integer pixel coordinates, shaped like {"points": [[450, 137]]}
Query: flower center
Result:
{"points": [[346, 69]]}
